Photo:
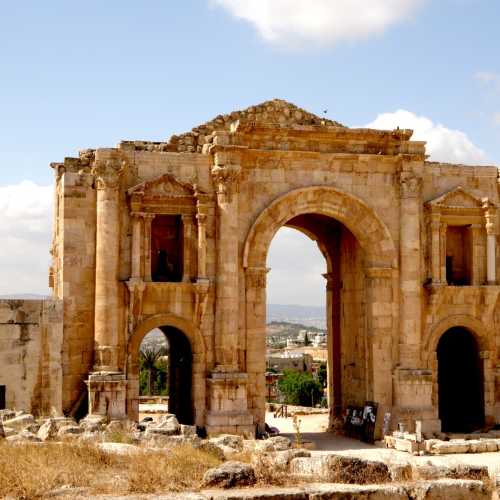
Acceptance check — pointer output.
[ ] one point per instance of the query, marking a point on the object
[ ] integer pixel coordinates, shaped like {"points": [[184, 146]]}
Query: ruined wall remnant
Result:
{"points": [[30, 354]]}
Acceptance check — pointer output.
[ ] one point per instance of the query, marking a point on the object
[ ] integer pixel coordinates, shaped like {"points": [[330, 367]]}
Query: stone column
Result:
{"points": [[107, 384], [227, 386], [107, 264], [148, 221], [436, 249], [137, 218], [225, 174], [187, 230], [410, 271], [443, 229], [476, 260], [491, 243], [202, 246]]}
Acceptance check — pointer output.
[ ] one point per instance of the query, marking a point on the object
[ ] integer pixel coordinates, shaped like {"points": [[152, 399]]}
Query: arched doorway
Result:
{"points": [[170, 359], [460, 382], [343, 298], [377, 322]]}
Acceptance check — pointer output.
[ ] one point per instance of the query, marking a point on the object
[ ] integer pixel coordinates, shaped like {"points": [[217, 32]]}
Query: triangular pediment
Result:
{"points": [[456, 198], [274, 112], [165, 186]]}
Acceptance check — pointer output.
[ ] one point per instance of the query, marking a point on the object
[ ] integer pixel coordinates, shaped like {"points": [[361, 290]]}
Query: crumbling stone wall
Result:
{"points": [[31, 343]]}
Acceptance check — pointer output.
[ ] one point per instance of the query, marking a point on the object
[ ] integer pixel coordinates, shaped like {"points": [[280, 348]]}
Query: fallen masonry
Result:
{"points": [[250, 463]]}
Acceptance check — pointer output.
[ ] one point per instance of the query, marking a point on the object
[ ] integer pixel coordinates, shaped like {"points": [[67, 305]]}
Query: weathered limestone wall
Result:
{"points": [[76, 274], [31, 342]]}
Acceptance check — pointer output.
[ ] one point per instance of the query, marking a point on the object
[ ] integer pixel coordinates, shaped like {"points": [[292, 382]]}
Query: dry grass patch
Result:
{"points": [[31, 471]]}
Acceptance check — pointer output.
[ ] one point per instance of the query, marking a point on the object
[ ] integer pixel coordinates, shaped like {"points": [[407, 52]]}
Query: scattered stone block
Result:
{"points": [[230, 475], [48, 430], [20, 422]]}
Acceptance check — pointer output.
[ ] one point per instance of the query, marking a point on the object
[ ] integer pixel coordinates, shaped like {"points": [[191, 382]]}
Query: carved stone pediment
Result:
{"points": [[457, 198], [165, 186]]}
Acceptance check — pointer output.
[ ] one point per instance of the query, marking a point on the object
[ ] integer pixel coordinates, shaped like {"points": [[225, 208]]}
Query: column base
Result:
{"points": [[227, 392], [107, 394]]}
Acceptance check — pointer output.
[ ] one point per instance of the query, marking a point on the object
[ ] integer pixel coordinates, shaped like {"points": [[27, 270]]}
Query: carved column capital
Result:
{"points": [[225, 174], [108, 173], [410, 184], [59, 169], [490, 214]]}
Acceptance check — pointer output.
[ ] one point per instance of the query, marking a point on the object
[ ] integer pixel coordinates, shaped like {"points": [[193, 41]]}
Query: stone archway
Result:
{"points": [[188, 343], [484, 340], [460, 382], [380, 273]]}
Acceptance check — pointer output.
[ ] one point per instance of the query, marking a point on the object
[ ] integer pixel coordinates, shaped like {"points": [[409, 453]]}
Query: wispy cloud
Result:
{"points": [[300, 23]]}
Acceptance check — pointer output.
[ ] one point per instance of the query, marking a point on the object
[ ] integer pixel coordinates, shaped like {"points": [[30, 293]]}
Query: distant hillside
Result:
{"points": [[24, 296], [305, 315]]}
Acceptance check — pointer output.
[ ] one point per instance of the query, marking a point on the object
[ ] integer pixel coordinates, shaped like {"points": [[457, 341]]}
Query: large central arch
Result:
{"points": [[380, 271], [354, 213]]}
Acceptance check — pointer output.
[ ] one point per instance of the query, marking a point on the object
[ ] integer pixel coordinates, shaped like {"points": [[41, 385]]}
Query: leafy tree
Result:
{"points": [[323, 375], [148, 358], [307, 341], [300, 388]]}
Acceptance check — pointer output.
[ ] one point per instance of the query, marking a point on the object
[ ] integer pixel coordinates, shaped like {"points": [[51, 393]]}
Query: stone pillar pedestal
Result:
{"points": [[107, 395], [228, 413]]}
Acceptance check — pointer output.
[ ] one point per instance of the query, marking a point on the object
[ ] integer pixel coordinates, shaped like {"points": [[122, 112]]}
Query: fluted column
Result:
{"points": [[202, 246], [410, 271], [443, 229], [107, 174], [148, 221], [187, 229], [477, 256], [137, 218], [491, 243], [435, 248]]}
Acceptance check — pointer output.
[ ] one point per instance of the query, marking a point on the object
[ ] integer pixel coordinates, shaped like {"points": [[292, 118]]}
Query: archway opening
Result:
{"points": [[460, 382], [323, 295], [165, 371]]}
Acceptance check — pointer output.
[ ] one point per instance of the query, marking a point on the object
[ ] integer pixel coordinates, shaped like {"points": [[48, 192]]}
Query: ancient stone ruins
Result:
{"points": [[174, 235]]}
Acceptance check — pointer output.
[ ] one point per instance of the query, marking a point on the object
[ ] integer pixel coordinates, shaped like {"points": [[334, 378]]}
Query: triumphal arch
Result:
{"points": [[174, 235]]}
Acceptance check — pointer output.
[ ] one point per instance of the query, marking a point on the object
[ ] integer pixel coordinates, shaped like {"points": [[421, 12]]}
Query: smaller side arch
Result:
{"points": [[480, 332], [198, 365], [168, 319]]}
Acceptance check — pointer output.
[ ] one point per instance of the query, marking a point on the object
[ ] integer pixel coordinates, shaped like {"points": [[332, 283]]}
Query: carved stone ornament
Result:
{"points": [[225, 179], [411, 185], [108, 173]]}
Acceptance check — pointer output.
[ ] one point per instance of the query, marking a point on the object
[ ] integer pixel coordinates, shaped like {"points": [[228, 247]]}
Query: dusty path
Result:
{"points": [[313, 429]]}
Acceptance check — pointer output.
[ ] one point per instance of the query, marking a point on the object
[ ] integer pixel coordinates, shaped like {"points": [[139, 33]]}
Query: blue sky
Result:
{"points": [[76, 75]]}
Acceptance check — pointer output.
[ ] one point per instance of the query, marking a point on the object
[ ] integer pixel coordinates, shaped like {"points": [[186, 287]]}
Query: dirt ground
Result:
{"points": [[313, 429]]}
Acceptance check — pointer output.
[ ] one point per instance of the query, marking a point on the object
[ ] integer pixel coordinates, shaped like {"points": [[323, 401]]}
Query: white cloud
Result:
{"points": [[296, 272], [321, 22], [496, 118], [443, 144], [25, 223]]}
